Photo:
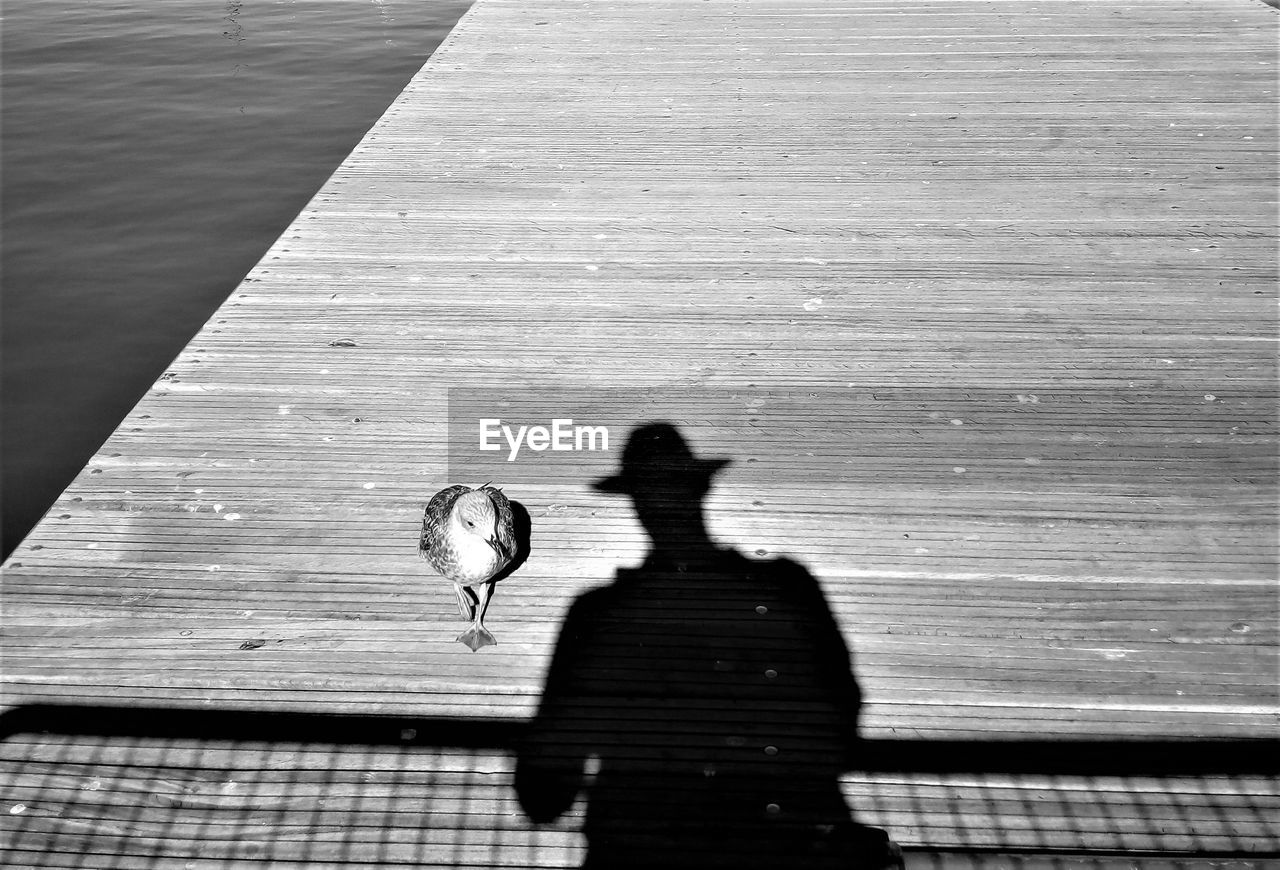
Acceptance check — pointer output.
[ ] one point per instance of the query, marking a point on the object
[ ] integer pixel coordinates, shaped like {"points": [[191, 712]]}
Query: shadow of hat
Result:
{"points": [[658, 455]]}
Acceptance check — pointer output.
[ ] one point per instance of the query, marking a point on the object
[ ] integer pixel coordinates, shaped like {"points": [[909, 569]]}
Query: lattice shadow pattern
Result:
{"points": [[195, 789]]}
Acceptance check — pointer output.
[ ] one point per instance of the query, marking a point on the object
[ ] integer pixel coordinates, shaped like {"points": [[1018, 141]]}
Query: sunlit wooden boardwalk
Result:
{"points": [[980, 297]]}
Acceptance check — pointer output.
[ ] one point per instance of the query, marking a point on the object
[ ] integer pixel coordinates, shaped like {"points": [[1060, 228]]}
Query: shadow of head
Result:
{"points": [[667, 484]]}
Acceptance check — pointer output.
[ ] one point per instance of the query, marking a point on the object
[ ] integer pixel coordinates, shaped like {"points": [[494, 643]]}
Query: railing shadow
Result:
{"points": [[100, 786], [1065, 757]]}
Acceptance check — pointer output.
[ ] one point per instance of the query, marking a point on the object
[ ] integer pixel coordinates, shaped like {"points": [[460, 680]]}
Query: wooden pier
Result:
{"points": [[978, 296]]}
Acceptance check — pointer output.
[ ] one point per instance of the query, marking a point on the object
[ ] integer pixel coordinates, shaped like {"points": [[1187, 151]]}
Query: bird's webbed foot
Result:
{"points": [[477, 636]]}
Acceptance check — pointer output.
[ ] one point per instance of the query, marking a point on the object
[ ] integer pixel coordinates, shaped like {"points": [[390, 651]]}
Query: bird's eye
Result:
{"points": [[470, 523]]}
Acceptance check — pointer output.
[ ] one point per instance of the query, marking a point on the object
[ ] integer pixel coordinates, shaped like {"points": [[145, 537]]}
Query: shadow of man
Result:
{"points": [[714, 692]]}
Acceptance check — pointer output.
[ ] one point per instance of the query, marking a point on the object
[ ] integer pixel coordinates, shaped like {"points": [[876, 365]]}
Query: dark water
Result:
{"points": [[152, 152]]}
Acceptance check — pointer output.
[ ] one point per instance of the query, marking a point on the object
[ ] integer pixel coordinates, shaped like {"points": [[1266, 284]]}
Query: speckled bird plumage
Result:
{"points": [[468, 537]]}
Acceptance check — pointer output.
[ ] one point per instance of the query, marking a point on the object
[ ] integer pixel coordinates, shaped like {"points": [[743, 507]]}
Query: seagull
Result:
{"points": [[468, 536]]}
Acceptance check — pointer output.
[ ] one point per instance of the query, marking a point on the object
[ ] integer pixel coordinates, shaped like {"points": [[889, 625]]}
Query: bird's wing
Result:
{"points": [[435, 517], [506, 519]]}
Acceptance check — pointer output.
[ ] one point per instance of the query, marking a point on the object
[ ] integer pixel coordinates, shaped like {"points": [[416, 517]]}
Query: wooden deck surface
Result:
{"points": [[980, 297]]}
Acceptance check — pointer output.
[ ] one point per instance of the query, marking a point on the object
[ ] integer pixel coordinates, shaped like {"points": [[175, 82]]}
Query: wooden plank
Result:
{"points": [[979, 296]]}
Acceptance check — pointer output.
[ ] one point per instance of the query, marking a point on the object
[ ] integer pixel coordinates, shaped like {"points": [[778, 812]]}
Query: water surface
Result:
{"points": [[151, 153]]}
